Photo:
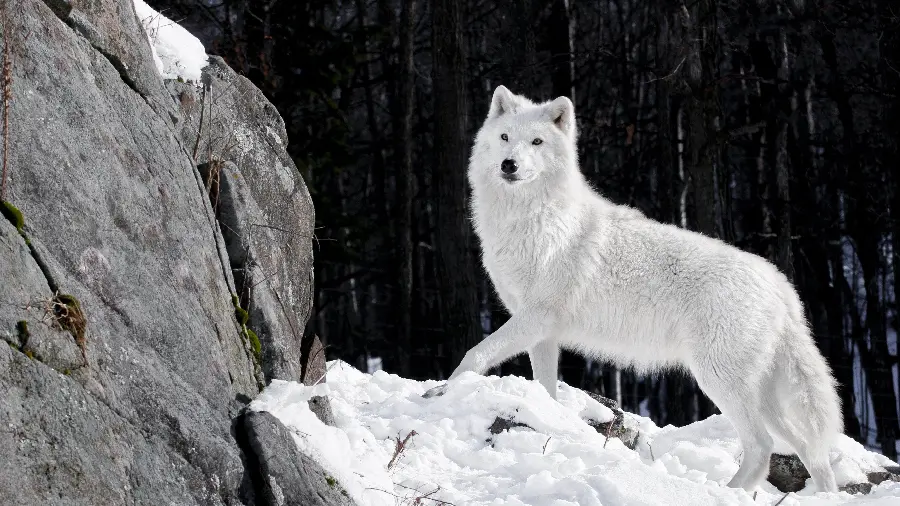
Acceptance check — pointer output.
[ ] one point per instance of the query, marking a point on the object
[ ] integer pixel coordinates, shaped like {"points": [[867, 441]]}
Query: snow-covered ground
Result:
{"points": [[176, 52], [559, 461]]}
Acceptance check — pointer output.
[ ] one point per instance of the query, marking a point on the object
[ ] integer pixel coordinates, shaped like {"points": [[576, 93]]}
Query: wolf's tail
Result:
{"points": [[806, 392], [813, 390]]}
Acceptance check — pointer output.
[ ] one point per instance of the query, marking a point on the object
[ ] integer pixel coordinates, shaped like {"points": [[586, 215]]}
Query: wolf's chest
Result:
{"points": [[522, 263]]}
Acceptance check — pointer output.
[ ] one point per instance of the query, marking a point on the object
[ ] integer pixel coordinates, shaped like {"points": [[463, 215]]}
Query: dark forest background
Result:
{"points": [[770, 124]]}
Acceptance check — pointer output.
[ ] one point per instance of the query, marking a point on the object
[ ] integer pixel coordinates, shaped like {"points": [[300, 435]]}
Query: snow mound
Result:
{"points": [[555, 459], [176, 52]]}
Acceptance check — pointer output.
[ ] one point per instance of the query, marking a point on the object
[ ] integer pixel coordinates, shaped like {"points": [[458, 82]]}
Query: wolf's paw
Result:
{"points": [[436, 391]]}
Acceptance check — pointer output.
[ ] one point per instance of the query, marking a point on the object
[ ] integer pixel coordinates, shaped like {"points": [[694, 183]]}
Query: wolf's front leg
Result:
{"points": [[545, 364], [522, 332]]}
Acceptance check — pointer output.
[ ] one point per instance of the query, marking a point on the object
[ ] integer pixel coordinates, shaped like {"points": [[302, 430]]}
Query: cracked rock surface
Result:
{"points": [[117, 216]]}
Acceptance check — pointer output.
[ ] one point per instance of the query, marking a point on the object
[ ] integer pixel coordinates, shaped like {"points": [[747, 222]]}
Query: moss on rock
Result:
{"points": [[240, 313], [255, 345], [22, 330], [12, 213]]}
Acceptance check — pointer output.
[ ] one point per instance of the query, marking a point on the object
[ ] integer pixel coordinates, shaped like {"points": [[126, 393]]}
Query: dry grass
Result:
{"points": [[63, 312]]}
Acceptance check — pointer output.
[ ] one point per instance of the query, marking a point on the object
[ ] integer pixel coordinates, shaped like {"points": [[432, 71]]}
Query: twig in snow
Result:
{"points": [[416, 501], [651, 451], [782, 499], [609, 431], [545, 445], [401, 446], [325, 373]]}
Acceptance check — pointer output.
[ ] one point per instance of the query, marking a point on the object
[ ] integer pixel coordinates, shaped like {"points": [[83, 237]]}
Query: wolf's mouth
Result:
{"points": [[510, 178]]}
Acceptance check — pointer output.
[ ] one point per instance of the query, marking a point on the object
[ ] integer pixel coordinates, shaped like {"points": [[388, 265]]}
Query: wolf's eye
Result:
{"points": [[505, 137], [536, 142]]}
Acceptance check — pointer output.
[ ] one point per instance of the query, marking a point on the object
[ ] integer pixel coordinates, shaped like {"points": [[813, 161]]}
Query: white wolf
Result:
{"points": [[579, 272]]}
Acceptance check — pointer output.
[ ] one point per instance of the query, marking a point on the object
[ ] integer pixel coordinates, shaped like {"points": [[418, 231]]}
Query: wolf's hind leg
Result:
{"points": [[520, 333], [742, 409], [545, 364], [756, 443]]}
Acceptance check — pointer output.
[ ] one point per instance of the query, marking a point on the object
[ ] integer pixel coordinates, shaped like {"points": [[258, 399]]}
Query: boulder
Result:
{"points": [[127, 358], [619, 427], [787, 473], [264, 209]]}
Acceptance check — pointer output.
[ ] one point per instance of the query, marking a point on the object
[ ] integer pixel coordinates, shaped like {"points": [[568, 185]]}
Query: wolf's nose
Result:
{"points": [[509, 166]]}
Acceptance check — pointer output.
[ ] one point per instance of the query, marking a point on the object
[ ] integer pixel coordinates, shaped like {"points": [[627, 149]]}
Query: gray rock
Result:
{"points": [[262, 204], [61, 445], [284, 475], [857, 488], [116, 214], [112, 27], [878, 477], [320, 405], [23, 283], [53, 347], [874, 478], [619, 427], [787, 473], [501, 424], [313, 360], [313, 372]]}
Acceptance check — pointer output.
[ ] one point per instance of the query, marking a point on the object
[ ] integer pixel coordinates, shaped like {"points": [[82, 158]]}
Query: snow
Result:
{"points": [[176, 52], [559, 461]]}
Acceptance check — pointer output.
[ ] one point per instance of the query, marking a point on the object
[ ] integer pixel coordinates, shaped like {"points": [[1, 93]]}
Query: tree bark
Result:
{"points": [[562, 63], [784, 257], [702, 112], [456, 267], [865, 230], [405, 184]]}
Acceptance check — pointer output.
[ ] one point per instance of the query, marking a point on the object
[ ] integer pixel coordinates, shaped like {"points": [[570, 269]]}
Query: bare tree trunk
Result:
{"points": [[702, 114], [875, 353], [866, 232], [837, 354], [889, 61], [405, 184], [703, 111], [456, 266], [784, 257], [562, 63], [519, 59]]}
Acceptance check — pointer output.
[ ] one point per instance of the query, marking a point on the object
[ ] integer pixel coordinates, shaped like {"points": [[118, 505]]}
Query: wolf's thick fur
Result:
{"points": [[579, 272]]}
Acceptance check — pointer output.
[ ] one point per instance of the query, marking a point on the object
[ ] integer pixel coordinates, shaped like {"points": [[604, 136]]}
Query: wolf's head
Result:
{"points": [[522, 142]]}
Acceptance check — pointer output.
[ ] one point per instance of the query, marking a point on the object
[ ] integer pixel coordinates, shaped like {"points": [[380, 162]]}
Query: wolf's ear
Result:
{"points": [[562, 113], [503, 102]]}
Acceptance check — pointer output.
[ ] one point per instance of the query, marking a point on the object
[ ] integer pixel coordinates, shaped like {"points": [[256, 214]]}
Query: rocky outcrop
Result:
{"points": [[285, 476], [136, 329], [261, 203]]}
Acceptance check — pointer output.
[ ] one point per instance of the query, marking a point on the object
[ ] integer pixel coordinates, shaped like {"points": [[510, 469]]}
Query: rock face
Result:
{"points": [[128, 358], [286, 477], [262, 205]]}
